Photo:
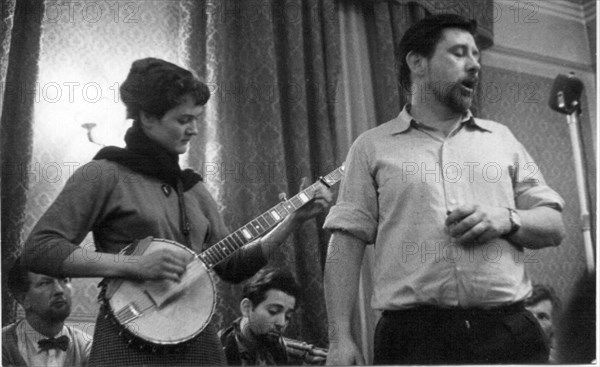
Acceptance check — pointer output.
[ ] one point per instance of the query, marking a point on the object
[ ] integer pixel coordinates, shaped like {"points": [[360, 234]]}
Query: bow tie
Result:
{"points": [[62, 342]]}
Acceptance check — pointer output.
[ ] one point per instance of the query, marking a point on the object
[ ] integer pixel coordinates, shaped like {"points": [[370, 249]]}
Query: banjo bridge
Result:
{"points": [[133, 310]]}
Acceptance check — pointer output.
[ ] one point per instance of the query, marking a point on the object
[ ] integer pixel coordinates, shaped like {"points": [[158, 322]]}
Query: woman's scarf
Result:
{"points": [[145, 156]]}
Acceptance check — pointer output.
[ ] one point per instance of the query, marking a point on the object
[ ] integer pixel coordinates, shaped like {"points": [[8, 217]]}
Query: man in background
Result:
{"points": [[267, 305], [42, 338], [544, 304]]}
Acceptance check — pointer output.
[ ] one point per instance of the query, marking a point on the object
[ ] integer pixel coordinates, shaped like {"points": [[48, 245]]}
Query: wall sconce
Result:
{"points": [[89, 126]]}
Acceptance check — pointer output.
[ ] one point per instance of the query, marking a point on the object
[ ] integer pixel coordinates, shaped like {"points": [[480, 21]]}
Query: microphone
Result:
{"points": [[565, 94], [564, 98]]}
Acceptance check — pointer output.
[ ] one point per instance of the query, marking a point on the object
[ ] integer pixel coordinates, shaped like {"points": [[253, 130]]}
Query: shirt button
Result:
{"points": [[452, 201]]}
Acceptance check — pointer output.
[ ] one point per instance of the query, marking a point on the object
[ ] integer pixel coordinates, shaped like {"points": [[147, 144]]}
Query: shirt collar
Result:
{"points": [[33, 336], [405, 120]]}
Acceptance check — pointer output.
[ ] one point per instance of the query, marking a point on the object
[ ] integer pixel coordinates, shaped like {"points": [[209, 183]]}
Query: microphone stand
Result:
{"points": [[573, 122]]}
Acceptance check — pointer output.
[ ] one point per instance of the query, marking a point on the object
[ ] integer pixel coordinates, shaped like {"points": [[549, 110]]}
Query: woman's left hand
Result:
{"points": [[321, 201]]}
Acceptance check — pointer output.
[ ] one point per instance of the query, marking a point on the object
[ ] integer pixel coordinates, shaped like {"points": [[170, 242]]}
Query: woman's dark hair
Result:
{"points": [[18, 279], [155, 86], [270, 278], [423, 37]]}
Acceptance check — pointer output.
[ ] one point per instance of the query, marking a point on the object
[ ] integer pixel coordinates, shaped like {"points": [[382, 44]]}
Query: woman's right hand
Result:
{"points": [[164, 264]]}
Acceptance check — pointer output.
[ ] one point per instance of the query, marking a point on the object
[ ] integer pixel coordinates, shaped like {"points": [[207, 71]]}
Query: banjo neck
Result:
{"points": [[264, 222]]}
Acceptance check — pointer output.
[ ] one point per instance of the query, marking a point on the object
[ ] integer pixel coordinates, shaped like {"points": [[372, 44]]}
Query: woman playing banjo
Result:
{"points": [[125, 195]]}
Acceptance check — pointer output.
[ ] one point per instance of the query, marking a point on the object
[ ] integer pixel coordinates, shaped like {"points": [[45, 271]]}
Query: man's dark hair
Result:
{"points": [[543, 292], [270, 278], [18, 279], [423, 37]]}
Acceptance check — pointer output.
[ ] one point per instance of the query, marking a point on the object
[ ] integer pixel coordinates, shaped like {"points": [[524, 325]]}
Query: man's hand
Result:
{"points": [[477, 223], [320, 202], [344, 352], [316, 356]]}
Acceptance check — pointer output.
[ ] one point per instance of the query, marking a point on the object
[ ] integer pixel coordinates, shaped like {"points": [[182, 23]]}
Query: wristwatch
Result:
{"points": [[515, 222]]}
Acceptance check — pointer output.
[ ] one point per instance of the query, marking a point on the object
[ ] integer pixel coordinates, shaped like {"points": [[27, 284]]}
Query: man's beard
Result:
{"points": [[454, 95], [456, 98], [57, 314]]}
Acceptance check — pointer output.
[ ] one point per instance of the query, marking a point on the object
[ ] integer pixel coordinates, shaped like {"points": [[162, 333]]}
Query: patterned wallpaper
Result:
{"points": [[520, 101]]}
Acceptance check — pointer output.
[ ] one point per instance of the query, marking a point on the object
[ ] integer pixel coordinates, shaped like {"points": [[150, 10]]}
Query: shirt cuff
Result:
{"points": [[349, 218]]}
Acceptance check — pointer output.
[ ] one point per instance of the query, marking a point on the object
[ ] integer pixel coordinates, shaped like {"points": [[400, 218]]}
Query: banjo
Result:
{"points": [[163, 313]]}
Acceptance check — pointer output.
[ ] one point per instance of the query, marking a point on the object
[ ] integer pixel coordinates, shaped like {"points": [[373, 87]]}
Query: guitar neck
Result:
{"points": [[264, 222]]}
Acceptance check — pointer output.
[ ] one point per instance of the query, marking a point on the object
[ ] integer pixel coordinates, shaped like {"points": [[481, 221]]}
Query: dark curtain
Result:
{"points": [[388, 20], [271, 67], [7, 12], [16, 130]]}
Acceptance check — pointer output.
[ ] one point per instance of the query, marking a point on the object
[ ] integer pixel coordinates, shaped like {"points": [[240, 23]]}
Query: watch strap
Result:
{"points": [[514, 225]]}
